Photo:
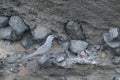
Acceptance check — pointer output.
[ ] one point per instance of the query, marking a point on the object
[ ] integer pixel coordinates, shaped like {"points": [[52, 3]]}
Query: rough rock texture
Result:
{"points": [[27, 40], [78, 46], [74, 30], [3, 21], [8, 33], [40, 32], [18, 24]]}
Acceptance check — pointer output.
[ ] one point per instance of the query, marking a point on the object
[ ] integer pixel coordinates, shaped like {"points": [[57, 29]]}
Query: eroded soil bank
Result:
{"points": [[69, 40]]}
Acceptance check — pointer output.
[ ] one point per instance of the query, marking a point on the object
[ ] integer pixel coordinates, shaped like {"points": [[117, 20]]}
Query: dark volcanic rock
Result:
{"points": [[18, 24], [74, 30], [3, 21]]}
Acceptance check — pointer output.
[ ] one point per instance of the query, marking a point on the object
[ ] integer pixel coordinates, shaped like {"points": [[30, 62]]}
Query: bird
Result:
{"points": [[44, 48]]}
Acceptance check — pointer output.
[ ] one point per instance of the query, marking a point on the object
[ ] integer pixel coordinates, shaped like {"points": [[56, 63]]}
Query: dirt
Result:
{"points": [[96, 17]]}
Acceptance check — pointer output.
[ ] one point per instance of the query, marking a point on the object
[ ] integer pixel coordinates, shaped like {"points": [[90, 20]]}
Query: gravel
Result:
{"points": [[4, 21], [77, 46], [43, 59]]}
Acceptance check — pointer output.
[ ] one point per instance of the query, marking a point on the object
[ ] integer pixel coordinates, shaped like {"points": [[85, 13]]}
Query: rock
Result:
{"points": [[3, 21], [116, 78], [43, 59], [77, 46], [8, 34], [48, 63], [40, 32], [27, 40], [111, 38], [74, 30], [18, 24], [14, 69], [116, 60], [5, 33], [60, 58]]}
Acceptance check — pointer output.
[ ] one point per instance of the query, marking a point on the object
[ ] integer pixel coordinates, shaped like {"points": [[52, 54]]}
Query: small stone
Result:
{"points": [[77, 46], [116, 60], [43, 59], [60, 59], [103, 55], [74, 30], [40, 32], [111, 38], [3, 21], [14, 69], [116, 78], [27, 40], [83, 54], [18, 24]]}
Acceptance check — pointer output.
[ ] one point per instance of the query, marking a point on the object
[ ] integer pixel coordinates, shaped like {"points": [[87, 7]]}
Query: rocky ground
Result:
{"points": [[59, 40]]}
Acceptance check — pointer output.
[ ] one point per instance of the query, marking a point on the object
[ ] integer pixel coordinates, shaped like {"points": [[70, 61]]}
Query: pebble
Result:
{"points": [[77, 46], [60, 59], [40, 32], [14, 69], [4, 21], [116, 60], [74, 30], [18, 24]]}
